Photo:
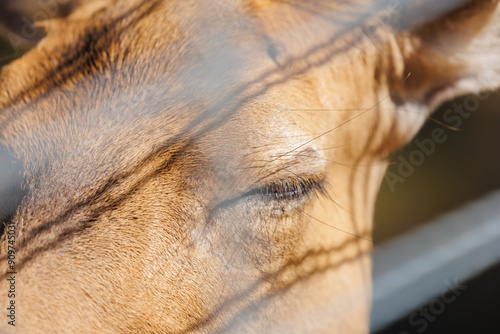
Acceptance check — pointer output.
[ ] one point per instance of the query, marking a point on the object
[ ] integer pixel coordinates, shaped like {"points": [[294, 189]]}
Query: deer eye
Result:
{"points": [[280, 192], [291, 189]]}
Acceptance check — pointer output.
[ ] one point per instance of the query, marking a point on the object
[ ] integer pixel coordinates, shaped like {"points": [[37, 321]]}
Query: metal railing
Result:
{"points": [[431, 260]]}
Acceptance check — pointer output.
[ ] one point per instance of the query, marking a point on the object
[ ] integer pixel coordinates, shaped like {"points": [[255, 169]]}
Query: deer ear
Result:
{"points": [[18, 18], [453, 55], [21, 21]]}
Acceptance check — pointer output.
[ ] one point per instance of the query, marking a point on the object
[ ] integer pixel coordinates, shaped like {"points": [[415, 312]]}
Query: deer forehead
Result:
{"points": [[135, 102]]}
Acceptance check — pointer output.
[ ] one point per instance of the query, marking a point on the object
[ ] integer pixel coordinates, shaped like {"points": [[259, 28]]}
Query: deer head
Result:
{"points": [[212, 166]]}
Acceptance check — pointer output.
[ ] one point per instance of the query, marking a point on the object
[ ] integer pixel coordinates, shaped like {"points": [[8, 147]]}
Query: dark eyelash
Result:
{"points": [[290, 189], [282, 190]]}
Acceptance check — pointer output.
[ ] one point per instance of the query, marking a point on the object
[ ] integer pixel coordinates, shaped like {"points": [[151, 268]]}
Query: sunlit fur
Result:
{"points": [[212, 166]]}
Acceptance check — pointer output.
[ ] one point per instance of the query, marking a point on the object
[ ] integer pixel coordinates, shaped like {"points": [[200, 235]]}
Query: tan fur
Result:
{"points": [[153, 136]]}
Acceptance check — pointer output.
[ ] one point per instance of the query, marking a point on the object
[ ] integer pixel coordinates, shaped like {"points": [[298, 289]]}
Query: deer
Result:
{"points": [[212, 166]]}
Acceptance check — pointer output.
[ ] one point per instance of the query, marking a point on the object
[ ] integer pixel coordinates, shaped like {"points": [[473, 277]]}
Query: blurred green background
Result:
{"points": [[7, 52], [463, 168]]}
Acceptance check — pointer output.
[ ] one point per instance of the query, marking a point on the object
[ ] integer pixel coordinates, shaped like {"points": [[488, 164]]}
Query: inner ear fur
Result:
{"points": [[453, 55], [23, 22], [19, 18]]}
